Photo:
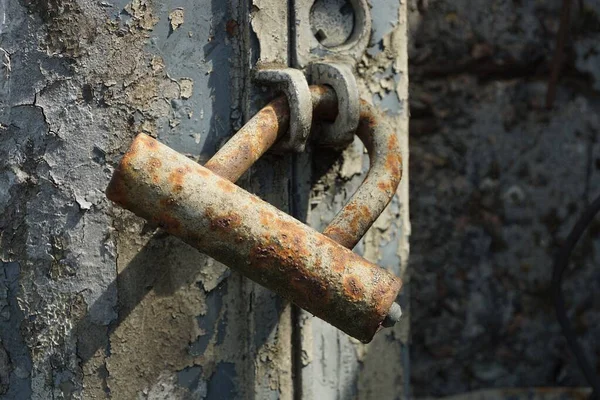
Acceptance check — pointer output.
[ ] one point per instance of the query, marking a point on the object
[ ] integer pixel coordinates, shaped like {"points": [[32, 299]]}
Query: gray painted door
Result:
{"points": [[96, 303]]}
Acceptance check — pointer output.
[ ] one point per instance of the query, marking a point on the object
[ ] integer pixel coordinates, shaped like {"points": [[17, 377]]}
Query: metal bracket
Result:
{"points": [[295, 87], [340, 77]]}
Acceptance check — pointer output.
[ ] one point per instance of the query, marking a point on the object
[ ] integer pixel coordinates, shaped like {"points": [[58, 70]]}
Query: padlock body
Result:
{"points": [[248, 234]]}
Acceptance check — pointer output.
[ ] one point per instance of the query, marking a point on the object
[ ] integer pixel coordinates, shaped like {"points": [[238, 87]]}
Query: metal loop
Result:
{"points": [[371, 198], [294, 85], [339, 76]]}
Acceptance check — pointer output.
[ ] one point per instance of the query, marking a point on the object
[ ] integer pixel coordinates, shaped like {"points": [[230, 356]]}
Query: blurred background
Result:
{"points": [[500, 170]]}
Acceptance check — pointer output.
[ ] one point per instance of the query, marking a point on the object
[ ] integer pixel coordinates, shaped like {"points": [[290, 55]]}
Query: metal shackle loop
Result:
{"points": [[377, 190], [202, 206]]}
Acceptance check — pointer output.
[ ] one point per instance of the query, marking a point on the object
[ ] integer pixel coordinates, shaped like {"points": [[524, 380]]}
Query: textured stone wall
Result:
{"points": [[497, 181]]}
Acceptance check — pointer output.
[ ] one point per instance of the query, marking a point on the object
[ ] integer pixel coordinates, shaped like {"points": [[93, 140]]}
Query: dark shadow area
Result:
{"points": [[497, 181], [153, 269]]}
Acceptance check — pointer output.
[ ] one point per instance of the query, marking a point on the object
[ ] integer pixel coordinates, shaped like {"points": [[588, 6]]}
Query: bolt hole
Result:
{"points": [[332, 21]]}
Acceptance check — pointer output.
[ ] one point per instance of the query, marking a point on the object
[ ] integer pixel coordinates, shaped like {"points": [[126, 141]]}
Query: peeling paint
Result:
{"points": [[376, 370], [106, 306], [176, 18]]}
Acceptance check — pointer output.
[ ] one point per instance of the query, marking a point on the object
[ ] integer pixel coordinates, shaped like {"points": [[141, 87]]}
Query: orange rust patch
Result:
{"points": [[223, 222], [226, 186], [255, 199], [200, 170], [393, 163], [392, 144], [155, 163], [265, 217], [384, 186], [354, 288], [337, 234], [176, 177], [293, 236], [365, 212]]}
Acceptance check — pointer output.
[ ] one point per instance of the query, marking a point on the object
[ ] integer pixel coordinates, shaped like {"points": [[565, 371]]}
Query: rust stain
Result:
{"points": [[200, 170], [265, 217], [226, 186], [384, 186], [223, 222], [232, 27], [393, 163], [176, 177], [169, 223], [392, 144], [365, 212], [339, 261], [266, 119], [354, 288], [291, 234], [154, 163], [339, 235], [255, 199]]}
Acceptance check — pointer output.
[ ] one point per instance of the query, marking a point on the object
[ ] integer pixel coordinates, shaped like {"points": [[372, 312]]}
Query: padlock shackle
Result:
{"points": [[377, 190], [246, 233]]}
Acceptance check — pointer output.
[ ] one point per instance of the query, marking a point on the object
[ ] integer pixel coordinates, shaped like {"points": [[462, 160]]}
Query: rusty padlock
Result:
{"points": [[202, 206]]}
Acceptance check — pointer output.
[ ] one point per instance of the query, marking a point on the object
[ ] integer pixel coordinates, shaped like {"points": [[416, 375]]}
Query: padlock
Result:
{"points": [[318, 272]]}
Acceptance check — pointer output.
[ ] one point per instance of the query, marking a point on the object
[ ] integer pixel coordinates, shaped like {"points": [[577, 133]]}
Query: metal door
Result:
{"points": [[96, 303]]}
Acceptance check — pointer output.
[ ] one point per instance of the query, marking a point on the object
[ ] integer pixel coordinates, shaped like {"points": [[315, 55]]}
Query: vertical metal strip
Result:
{"points": [[295, 211], [270, 315]]}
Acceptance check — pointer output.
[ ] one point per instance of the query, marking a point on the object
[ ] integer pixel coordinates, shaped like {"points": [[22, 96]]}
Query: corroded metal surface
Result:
{"points": [[263, 130], [241, 230], [295, 87], [340, 77], [380, 185]]}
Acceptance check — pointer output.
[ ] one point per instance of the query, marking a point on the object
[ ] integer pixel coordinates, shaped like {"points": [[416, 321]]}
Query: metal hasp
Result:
{"points": [[318, 272], [293, 83]]}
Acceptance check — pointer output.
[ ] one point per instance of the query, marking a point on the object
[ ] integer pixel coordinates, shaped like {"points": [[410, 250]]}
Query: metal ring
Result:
{"points": [[381, 142], [293, 84], [339, 76]]}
